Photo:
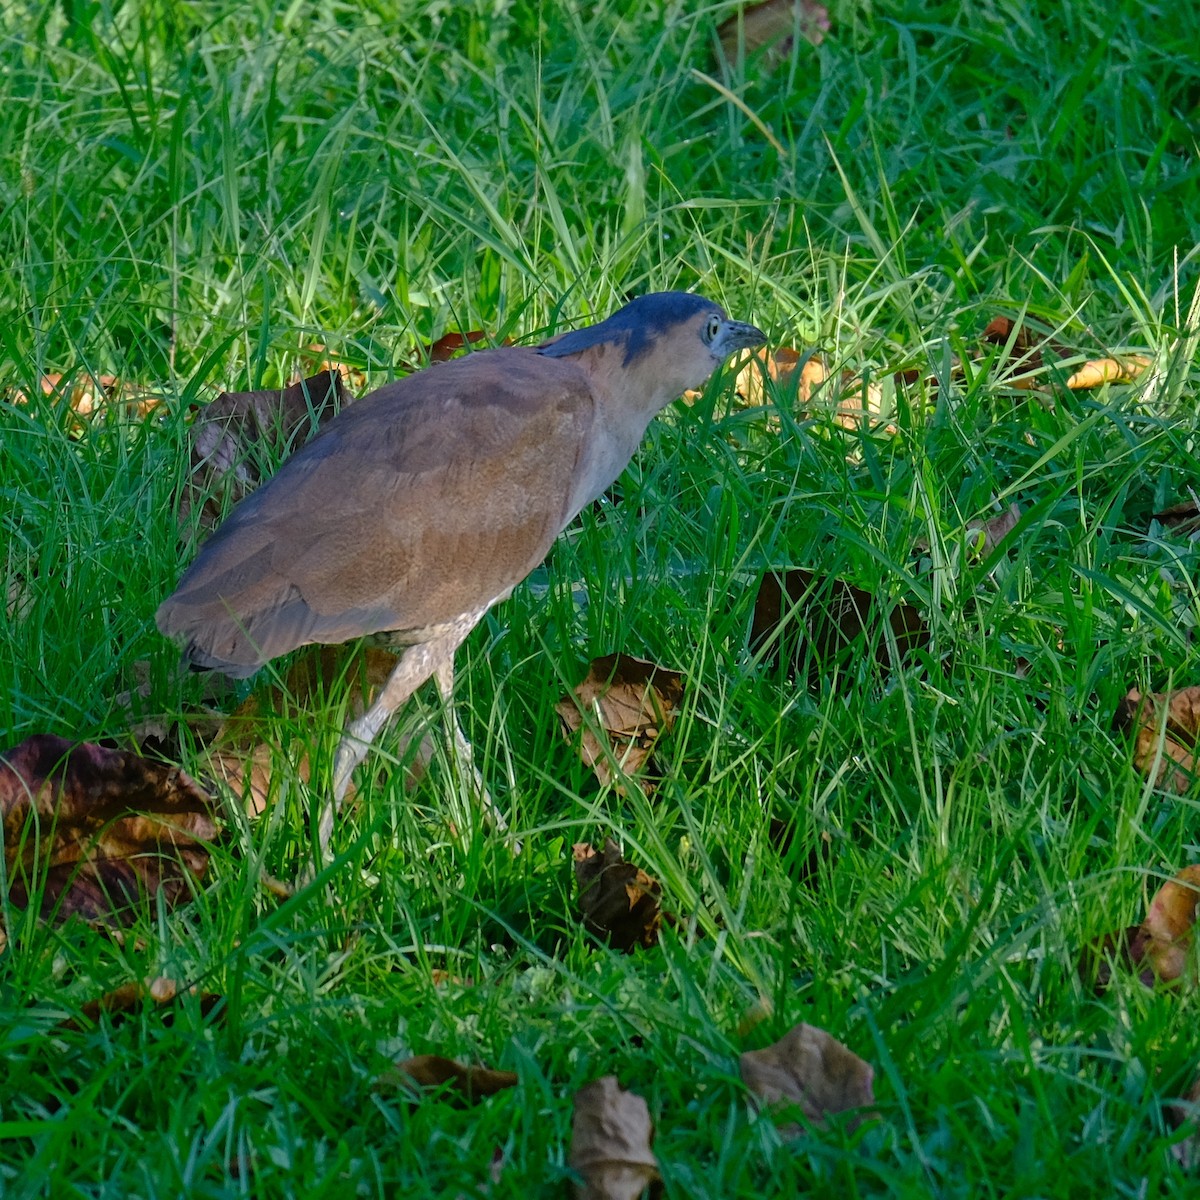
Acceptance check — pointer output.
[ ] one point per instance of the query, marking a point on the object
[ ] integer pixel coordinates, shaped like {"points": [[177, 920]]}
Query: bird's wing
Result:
{"points": [[426, 500]]}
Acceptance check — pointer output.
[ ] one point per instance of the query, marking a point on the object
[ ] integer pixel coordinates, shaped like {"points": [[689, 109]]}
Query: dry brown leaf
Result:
{"points": [[320, 360], [620, 902], [87, 394], [1173, 718], [1026, 357], [1092, 374], [229, 436], [860, 404], [93, 828], [1182, 1114], [819, 620], [780, 367], [461, 1085], [989, 534], [773, 25], [630, 702], [131, 998], [809, 1068], [1160, 948], [1183, 517], [610, 1142]]}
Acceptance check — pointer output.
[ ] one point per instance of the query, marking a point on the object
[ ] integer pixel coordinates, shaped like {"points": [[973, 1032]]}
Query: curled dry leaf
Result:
{"points": [[984, 536], [1183, 1114], [610, 1142], [1026, 356], [1125, 369], [630, 702], [785, 368], [461, 1085], [818, 621], [87, 394], [1159, 949], [773, 25], [809, 1068], [1166, 720], [619, 901], [1183, 517], [92, 828], [131, 998], [229, 436]]}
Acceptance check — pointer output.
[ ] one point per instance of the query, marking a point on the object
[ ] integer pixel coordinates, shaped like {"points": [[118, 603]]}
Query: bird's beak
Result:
{"points": [[738, 335]]}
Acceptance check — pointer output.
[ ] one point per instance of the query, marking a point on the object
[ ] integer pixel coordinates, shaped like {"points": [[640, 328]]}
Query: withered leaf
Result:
{"points": [[781, 366], [93, 827], [1175, 718], [462, 1085], [818, 620], [1125, 369], [1184, 517], [1182, 1114], [229, 437], [610, 1142], [1027, 358], [984, 536], [449, 344], [809, 1068], [130, 998], [619, 901], [1159, 949], [630, 702], [773, 25]]}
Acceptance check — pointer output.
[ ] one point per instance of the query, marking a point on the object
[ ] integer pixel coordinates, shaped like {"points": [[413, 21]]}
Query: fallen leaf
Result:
{"points": [[773, 25], [92, 828], [631, 702], [819, 620], [809, 1068], [620, 902], [131, 998], [1108, 370], [320, 360], [781, 368], [1025, 355], [229, 436], [860, 404], [1183, 517], [610, 1142], [1182, 1114], [462, 1085], [449, 344], [990, 533], [1170, 718], [1159, 949]]}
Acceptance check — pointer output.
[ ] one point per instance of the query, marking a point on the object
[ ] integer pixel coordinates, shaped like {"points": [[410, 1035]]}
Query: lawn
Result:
{"points": [[207, 196]]}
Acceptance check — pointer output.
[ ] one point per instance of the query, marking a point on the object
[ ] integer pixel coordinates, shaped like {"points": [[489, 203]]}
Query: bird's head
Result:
{"points": [[659, 346]]}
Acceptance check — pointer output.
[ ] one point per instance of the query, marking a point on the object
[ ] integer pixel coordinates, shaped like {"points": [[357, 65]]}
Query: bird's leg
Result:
{"points": [[416, 665], [444, 677]]}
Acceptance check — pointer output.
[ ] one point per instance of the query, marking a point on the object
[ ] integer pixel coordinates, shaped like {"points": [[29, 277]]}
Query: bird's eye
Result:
{"points": [[714, 327]]}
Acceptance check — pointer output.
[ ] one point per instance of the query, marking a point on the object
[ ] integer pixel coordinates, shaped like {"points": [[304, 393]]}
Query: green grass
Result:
{"points": [[194, 193]]}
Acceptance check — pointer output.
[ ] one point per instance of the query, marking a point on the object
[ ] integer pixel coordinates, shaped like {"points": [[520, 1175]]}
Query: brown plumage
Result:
{"points": [[417, 508]]}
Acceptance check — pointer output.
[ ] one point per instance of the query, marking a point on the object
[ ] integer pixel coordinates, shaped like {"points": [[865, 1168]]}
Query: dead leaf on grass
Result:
{"points": [[818, 620], [622, 706], [1170, 720], [1125, 369], [610, 1142], [131, 998], [785, 368], [1184, 517], [1183, 1114], [984, 536], [461, 1085], [620, 902], [1025, 357], [809, 1068], [229, 435], [91, 828], [1159, 949], [772, 26]]}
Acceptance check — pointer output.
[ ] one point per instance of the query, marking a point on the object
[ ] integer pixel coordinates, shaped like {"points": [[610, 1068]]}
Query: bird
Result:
{"points": [[419, 507]]}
